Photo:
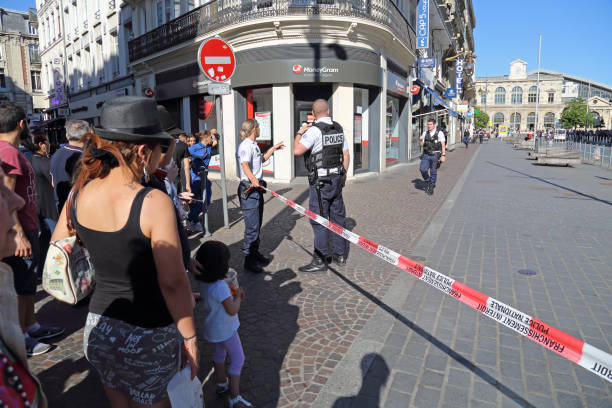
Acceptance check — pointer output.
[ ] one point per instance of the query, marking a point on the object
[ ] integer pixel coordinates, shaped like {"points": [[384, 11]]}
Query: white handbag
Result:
{"points": [[68, 274], [183, 391]]}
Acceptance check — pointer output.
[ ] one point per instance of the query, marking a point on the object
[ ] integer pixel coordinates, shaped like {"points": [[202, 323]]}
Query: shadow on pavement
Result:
{"points": [[433, 340], [87, 393], [552, 184], [419, 184], [374, 374], [268, 326]]}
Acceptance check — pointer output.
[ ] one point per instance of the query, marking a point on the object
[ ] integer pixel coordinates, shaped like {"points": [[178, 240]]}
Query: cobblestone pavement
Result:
{"points": [[422, 348], [295, 328]]}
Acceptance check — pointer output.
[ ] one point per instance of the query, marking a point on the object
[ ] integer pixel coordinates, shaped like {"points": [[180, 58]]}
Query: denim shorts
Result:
{"points": [[136, 361]]}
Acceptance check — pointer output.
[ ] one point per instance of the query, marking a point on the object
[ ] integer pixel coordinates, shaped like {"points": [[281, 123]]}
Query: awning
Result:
{"points": [[439, 98]]}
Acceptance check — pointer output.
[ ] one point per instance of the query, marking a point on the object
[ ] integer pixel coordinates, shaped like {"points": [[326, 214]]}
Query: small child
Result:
{"points": [[221, 318]]}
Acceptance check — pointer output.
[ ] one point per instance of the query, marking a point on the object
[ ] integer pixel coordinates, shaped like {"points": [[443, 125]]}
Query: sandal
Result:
{"points": [[233, 402], [222, 387]]}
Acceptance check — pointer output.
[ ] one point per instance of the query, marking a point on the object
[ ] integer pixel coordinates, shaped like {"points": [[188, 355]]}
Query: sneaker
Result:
{"points": [[318, 264], [45, 332], [35, 347], [431, 190]]}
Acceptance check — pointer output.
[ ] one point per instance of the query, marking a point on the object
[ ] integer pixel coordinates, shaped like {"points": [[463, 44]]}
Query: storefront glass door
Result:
{"points": [[392, 133], [360, 130], [304, 96]]}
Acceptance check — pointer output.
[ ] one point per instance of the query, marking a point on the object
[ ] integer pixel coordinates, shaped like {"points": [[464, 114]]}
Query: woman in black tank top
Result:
{"points": [[140, 314]]}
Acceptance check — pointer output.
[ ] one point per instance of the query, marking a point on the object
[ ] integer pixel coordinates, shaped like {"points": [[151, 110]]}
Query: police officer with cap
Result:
{"points": [[327, 158], [251, 161], [434, 151]]}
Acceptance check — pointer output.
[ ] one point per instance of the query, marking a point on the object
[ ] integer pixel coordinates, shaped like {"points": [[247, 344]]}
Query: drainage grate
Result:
{"points": [[526, 272]]}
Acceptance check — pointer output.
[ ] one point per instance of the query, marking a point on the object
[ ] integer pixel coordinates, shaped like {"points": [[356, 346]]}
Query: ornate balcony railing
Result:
{"points": [[219, 13]]}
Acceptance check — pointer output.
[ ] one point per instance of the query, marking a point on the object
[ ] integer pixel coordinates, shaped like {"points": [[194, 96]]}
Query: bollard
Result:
{"points": [[204, 216]]}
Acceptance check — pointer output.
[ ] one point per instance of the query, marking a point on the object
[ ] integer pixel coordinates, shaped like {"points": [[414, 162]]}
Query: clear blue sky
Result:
{"points": [[19, 5], [576, 36]]}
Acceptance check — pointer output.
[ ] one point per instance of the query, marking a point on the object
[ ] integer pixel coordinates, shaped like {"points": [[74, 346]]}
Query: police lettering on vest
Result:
{"points": [[431, 143], [331, 155]]}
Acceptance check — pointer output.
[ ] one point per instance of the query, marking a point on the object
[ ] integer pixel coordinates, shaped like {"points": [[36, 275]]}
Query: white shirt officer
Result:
{"points": [[248, 151], [313, 139]]}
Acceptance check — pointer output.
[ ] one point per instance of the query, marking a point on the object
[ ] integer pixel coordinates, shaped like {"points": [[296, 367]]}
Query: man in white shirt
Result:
{"points": [[434, 151], [327, 158]]}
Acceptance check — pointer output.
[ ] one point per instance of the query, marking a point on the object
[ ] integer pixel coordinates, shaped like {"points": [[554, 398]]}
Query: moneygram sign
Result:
{"points": [[423, 24], [323, 72]]}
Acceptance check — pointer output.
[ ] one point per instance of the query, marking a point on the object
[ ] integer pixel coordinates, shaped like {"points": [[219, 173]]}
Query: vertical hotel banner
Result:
{"points": [[459, 70], [422, 16]]}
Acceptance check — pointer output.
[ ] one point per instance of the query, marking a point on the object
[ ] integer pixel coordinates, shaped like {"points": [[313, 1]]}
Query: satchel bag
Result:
{"points": [[68, 274]]}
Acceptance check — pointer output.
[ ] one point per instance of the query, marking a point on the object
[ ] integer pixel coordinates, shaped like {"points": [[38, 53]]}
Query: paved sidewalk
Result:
{"points": [[422, 348], [295, 328]]}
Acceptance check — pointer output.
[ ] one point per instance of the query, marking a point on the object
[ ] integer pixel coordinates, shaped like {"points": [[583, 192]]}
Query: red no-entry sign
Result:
{"points": [[216, 59]]}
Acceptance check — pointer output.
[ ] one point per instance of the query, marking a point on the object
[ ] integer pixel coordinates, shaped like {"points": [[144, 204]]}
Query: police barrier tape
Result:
{"points": [[581, 353]]}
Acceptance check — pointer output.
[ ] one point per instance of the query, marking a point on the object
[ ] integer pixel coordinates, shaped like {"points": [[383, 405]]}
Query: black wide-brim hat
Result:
{"points": [[131, 119], [167, 123]]}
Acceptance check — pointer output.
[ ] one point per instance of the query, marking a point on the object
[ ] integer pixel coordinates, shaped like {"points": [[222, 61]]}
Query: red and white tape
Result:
{"points": [[581, 353]]}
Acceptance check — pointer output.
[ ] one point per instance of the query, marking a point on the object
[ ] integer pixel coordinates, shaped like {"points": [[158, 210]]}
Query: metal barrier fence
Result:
{"points": [[591, 153]]}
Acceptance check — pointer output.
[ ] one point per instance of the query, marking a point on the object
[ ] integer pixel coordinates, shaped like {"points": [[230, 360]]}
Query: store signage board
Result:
{"points": [[423, 24], [218, 88], [216, 59], [462, 107], [450, 93], [427, 62], [469, 114]]}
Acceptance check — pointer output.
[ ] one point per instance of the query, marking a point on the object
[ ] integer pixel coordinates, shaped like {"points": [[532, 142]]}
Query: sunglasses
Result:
{"points": [[165, 145]]}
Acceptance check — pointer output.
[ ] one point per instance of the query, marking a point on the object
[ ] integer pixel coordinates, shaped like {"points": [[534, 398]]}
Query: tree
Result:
{"points": [[481, 119], [575, 114]]}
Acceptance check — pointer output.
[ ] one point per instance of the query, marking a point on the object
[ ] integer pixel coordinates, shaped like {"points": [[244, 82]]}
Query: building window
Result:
{"points": [[34, 55], [159, 13], [36, 84], [483, 99], [531, 120], [551, 97], [515, 121], [169, 10], [517, 94], [2, 78], [533, 94], [549, 119], [32, 29], [500, 96], [498, 118]]}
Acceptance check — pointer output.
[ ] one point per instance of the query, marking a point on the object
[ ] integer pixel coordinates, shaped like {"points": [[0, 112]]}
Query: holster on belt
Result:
{"points": [[246, 188]]}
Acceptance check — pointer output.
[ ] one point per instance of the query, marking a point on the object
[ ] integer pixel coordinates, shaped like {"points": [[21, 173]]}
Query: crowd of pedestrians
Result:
{"points": [[131, 190], [118, 188]]}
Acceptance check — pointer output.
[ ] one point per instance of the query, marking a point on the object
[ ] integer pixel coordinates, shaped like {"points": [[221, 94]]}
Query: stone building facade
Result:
{"points": [[20, 68], [84, 56], [511, 99]]}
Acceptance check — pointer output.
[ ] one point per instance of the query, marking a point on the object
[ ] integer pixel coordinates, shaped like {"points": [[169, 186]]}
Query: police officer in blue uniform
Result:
{"points": [[327, 158], [434, 151], [251, 196]]}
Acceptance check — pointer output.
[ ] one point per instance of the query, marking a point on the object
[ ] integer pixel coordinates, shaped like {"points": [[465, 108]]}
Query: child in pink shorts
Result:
{"points": [[221, 318]]}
